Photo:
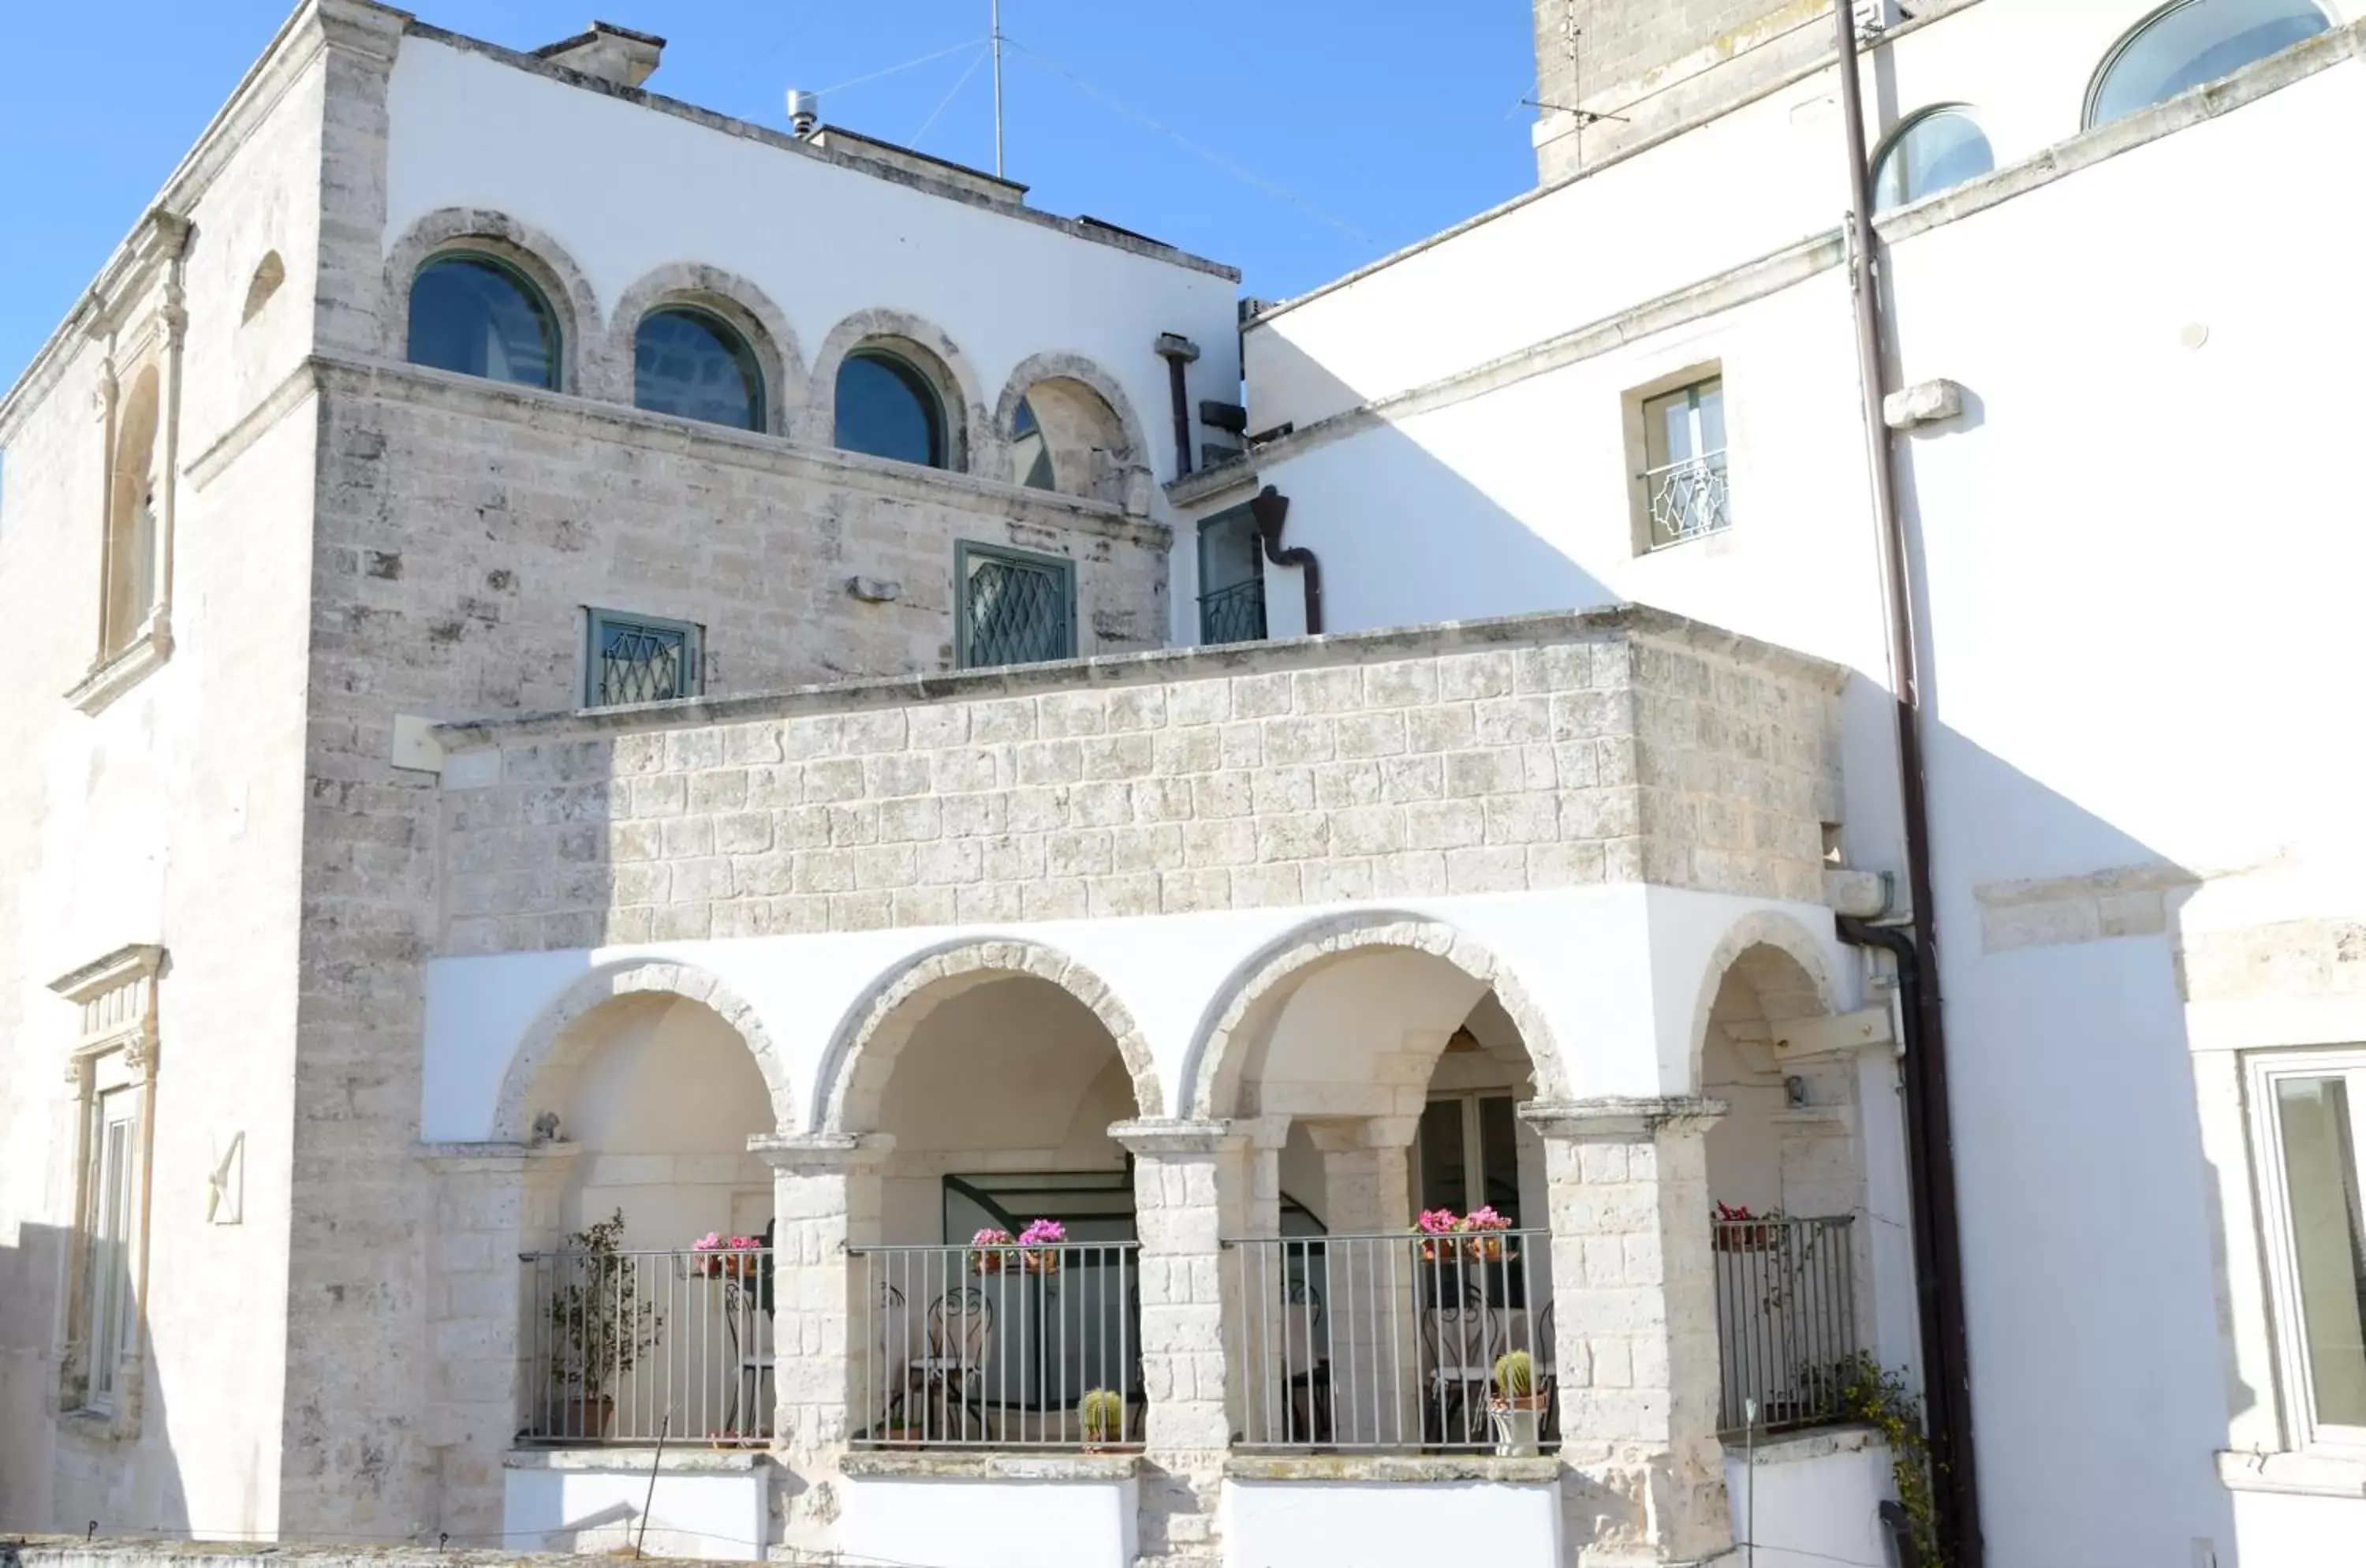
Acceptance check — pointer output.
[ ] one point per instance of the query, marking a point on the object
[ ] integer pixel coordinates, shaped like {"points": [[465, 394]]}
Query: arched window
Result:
{"points": [[885, 407], [690, 362], [1031, 454], [131, 518], [1935, 150], [2192, 41], [481, 317]]}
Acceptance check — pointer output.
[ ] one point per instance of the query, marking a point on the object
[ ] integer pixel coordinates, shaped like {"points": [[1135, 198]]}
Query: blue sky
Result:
{"points": [[1382, 120]]}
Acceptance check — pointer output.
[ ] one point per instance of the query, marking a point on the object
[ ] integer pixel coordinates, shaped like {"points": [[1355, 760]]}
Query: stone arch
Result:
{"points": [[930, 350], [269, 273], [1132, 448], [552, 1042], [863, 1052], [1782, 963], [1211, 1070], [133, 479], [565, 286], [749, 310]]}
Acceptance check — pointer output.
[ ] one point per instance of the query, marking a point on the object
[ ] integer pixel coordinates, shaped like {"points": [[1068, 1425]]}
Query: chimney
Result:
{"points": [[607, 51]]}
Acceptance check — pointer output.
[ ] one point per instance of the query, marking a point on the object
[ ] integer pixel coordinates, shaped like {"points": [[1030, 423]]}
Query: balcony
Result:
{"points": [[1786, 1320], [1234, 613], [999, 1347], [1687, 499]]}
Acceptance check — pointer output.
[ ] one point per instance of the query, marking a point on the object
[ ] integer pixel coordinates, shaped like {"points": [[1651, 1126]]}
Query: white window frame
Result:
{"points": [[2264, 1070], [1643, 472]]}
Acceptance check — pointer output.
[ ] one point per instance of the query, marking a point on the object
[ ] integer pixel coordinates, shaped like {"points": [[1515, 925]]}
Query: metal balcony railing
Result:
{"points": [[999, 1347], [1687, 499], [1234, 613], [625, 1348], [1786, 1320], [1387, 1342]]}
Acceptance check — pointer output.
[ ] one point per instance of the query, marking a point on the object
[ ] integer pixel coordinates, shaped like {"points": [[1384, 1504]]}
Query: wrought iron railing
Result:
{"points": [[1392, 1342], [630, 1346], [1689, 500], [1786, 1320], [1234, 613], [999, 1347]]}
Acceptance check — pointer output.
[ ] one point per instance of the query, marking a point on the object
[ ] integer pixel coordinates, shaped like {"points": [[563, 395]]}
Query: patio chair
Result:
{"points": [[1547, 1355], [951, 1377], [1305, 1364], [1460, 1342], [891, 1352]]}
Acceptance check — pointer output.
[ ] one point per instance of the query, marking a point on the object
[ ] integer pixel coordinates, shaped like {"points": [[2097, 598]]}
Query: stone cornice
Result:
{"points": [[1621, 1118], [820, 1154], [1165, 1140]]}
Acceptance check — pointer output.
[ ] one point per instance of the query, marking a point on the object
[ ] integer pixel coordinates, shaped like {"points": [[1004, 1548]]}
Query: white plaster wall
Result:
{"points": [[990, 1524], [1616, 970], [626, 190], [1280, 1524], [577, 1504], [2135, 623], [1810, 1501]]}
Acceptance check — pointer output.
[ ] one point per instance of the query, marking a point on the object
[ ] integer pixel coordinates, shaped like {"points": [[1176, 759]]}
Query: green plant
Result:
{"points": [[1882, 1400], [1102, 1412], [600, 1321], [1516, 1374]]}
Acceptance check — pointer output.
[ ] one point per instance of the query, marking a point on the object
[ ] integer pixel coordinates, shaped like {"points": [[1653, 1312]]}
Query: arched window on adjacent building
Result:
{"points": [[131, 518], [1030, 453], [691, 362], [886, 408], [481, 317], [1935, 150], [2192, 41]]}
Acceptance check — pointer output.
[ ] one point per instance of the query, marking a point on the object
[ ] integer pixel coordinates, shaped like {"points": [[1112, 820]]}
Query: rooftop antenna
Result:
{"points": [[1571, 33], [997, 35]]}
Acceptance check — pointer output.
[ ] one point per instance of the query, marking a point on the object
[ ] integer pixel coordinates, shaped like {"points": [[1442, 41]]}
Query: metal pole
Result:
{"points": [[997, 87]]}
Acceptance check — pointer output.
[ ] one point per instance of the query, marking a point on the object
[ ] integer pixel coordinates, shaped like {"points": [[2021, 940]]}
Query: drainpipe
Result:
{"points": [[1179, 351], [1930, 1133], [1269, 510]]}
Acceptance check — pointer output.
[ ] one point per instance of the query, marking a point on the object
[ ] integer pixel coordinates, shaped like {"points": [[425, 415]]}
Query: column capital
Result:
{"points": [[1622, 1119], [820, 1154], [1165, 1139], [1340, 1137]]}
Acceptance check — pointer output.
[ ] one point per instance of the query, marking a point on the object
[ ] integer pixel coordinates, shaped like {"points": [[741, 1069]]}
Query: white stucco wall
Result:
{"points": [[1806, 1501], [1275, 1524], [701, 1506], [970, 1523], [2131, 625]]}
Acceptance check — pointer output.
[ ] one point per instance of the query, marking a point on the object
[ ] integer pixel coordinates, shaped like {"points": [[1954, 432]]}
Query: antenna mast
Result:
{"points": [[996, 13], [1570, 33]]}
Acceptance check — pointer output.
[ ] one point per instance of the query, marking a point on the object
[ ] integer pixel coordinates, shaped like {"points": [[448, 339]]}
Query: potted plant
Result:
{"points": [[989, 1251], [1102, 1413], [1738, 1230], [601, 1327], [1517, 1408], [1438, 1226], [1039, 1243], [1485, 1228]]}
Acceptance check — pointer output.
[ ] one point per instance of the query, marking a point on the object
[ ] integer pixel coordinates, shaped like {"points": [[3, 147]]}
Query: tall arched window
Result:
{"points": [[1030, 453], [1935, 150], [481, 317], [690, 362], [885, 407], [2191, 42], [131, 518]]}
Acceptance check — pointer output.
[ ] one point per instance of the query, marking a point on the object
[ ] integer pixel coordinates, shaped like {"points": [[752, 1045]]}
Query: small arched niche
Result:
{"points": [[1065, 437], [269, 273], [133, 502]]}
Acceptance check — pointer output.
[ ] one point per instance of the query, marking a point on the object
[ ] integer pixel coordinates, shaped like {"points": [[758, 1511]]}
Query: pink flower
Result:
{"points": [[1438, 1222], [1042, 1233], [1485, 1218], [990, 1237], [707, 1243]]}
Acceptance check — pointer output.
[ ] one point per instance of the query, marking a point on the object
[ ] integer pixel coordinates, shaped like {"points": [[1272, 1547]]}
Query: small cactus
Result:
{"points": [[1516, 1374], [1103, 1413]]}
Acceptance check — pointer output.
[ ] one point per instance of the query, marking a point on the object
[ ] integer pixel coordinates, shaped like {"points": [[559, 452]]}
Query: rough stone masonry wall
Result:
{"points": [[1542, 752]]}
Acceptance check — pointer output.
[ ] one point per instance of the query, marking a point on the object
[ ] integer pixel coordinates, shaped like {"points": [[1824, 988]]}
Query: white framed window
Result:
{"points": [[1679, 444], [109, 1306], [2308, 1110]]}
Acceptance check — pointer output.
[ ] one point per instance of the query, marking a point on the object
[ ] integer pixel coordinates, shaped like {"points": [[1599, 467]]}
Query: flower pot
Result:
{"points": [[1039, 1262], [585, 1418], [1488, 1249], [989, 1262], [1516, 1421]]}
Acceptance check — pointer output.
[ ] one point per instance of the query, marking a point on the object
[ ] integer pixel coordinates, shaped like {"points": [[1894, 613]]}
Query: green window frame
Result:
{"points": [[640, 659], [1011, 607]]}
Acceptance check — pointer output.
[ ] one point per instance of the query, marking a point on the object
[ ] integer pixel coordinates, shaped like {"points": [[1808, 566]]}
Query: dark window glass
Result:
{"points": [[689, 363], [1232, 580], [2195, 41], [887, 409], [1940, 149], [1031, 454], [1444, 1171], [474, 315], [1015, 608], [1499, 1156], [635, 660]]}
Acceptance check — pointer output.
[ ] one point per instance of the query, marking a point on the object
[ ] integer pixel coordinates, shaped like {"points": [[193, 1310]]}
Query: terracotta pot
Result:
{"points": [[585, 1418]]}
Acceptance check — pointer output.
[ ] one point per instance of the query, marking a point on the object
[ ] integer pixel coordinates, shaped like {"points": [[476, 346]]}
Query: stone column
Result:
{"points": [[1192, 1182], [825, 1200], [493, 1201], [1636, 1327], [1372, 1302]]}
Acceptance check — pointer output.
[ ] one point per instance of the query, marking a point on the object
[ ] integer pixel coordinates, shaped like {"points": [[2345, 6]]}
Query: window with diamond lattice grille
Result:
{"points": [[1016, 608], [637, 659]]}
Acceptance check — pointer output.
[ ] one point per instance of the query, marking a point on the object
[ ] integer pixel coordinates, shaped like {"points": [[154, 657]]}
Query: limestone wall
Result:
{"points": [[1619, 746]]}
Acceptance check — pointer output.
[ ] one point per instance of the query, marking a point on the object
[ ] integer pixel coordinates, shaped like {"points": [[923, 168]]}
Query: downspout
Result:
{"points": [[1930, 1134], [1179, 351], [1269, 510]]}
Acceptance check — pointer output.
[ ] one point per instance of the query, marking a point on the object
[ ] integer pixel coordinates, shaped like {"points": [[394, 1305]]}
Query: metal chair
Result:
{"points": [[1460, 1342], [1305, 1364], [1547, 1355], [951, 1375]]}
